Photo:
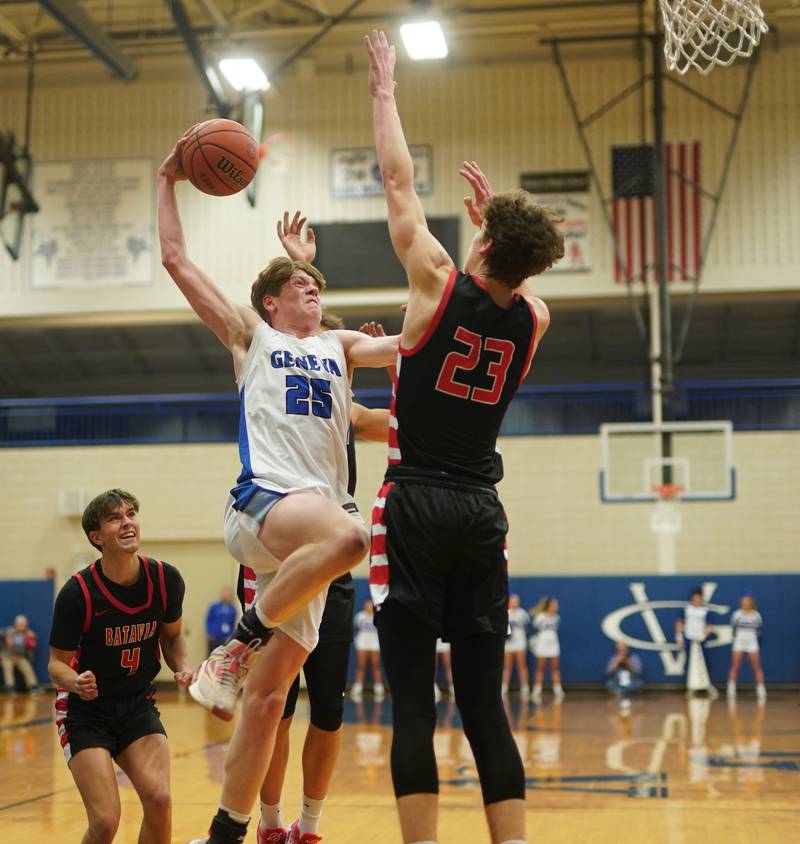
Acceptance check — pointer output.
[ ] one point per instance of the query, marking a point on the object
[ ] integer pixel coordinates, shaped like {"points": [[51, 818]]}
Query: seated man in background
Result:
{"points": [[220, 619], [19, 644], [624, 671]]}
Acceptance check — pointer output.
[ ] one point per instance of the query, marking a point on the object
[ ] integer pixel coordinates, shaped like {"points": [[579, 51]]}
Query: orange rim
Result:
{"points": [[668, 491]]}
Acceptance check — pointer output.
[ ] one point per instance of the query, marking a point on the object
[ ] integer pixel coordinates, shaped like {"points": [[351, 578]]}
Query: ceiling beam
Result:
{"points": [[14, 35], [207, 73], [73, 18]]}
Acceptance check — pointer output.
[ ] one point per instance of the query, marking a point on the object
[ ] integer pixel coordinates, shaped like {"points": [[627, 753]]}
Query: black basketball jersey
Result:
{"points": [[455, 385], [118, 642]]}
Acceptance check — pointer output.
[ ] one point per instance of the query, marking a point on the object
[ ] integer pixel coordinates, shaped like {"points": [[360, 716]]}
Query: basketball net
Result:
{"points": [[666, 518], [706, 33]]}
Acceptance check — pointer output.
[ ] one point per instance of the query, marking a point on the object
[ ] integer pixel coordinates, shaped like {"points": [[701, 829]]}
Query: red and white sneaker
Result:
{"points": [[270, 836], [220, 677], [294, 836]]}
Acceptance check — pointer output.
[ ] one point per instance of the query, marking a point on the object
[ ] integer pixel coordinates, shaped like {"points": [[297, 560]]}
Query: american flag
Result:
{"points": [[632, 211]]}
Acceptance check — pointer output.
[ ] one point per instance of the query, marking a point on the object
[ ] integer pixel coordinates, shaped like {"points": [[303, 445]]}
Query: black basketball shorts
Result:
{"points": [[113, 723], [440, 551]]}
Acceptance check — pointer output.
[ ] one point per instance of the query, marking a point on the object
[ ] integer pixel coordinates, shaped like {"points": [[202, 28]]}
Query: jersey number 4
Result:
{"points": [[130, 659], [303, 392], [497, 369]]}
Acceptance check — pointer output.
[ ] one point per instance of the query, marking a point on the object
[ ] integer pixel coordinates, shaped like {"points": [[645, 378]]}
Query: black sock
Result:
{"points": [[225, 830], [250, 628]]}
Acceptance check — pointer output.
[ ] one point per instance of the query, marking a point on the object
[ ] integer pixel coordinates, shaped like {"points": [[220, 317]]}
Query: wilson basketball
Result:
{"points": [[221, 157]]}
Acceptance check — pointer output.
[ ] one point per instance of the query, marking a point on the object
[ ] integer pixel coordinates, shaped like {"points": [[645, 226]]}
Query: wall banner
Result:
{"points": [[355, 172], [567, 192], [96, 224]]}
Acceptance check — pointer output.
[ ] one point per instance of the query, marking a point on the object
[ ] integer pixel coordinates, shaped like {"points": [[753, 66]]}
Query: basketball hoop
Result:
{"points": [[666, 518], [706, 33]]}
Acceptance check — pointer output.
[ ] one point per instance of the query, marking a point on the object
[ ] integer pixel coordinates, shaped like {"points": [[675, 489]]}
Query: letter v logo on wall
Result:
{"points": [[672, 655]]}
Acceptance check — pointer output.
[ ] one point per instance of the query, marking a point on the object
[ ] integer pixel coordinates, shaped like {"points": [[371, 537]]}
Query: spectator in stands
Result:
{"points": [[624, 672], [20, 645], [220, 619]]}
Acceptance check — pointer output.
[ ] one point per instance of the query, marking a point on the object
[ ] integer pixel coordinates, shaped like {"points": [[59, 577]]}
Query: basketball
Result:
{"points": [[221, 157]]}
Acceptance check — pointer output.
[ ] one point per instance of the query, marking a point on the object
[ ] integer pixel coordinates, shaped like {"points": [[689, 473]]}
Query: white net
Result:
{"points": [[706, 33]]}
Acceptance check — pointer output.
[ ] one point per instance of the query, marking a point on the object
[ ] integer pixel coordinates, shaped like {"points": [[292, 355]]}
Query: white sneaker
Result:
{"points": [[524, 692], [761, 694], [220, 677], [451, 690], [731, 690], [355, 691], [379, 693], [536, 697], [504, 692], [437, 693], [558, 695]]}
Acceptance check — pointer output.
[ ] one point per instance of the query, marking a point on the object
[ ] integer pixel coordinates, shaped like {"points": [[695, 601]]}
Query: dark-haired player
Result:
{"points": [[111, 623], [438, 528]]}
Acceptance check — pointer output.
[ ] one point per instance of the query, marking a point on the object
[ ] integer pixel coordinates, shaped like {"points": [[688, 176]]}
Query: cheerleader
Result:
{"points": [[746, 623], [545, 647], [368, 649], [518, 621]]}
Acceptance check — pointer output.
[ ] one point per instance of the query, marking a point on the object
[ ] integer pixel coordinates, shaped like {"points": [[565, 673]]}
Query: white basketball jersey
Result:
{"points": [[294, 415]]}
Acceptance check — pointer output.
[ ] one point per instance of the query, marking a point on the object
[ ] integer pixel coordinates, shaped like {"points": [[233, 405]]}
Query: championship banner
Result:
{"points": [[355, 172], [96, 224], [567, 193]]}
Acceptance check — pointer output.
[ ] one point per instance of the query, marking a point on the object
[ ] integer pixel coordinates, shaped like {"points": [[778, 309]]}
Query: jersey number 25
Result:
{"points": [[302, 392]]}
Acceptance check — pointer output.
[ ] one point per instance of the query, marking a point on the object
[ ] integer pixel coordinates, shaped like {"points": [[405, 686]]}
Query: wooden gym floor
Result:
{"points": [[672, 771]]}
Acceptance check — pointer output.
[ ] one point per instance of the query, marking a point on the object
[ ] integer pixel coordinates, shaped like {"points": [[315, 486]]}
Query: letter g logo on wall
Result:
{"points": [[673, 657]]}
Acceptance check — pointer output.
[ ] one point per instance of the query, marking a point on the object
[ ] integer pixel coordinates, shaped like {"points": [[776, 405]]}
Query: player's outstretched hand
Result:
{"points": [[480, 187], [184, 678], [291, 236], [86, 686], [381, 63], [373, 329], [172, 167]]}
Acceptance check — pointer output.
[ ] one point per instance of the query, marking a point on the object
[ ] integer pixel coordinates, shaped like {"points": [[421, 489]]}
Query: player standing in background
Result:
{"points": [[693, 629], [546, 648], [746, 623], [516, 648], [438, 528], [110, 623], [368, 650]]}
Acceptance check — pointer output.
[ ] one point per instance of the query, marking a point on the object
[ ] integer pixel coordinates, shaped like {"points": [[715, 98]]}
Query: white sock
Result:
{"points": [[558, 690], [235, 816], [271, 816], [267, 622], [310, 813]]}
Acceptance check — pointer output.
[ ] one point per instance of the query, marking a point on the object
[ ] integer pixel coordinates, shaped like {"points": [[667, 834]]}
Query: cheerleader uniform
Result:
{"points": [[518, 621], [545, 643], [746, 630], [366, 633]]}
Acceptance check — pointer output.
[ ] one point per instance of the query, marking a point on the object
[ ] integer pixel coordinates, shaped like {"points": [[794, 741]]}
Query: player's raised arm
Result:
{"points": [[418, 250], [233, 324], [475, 205]]}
